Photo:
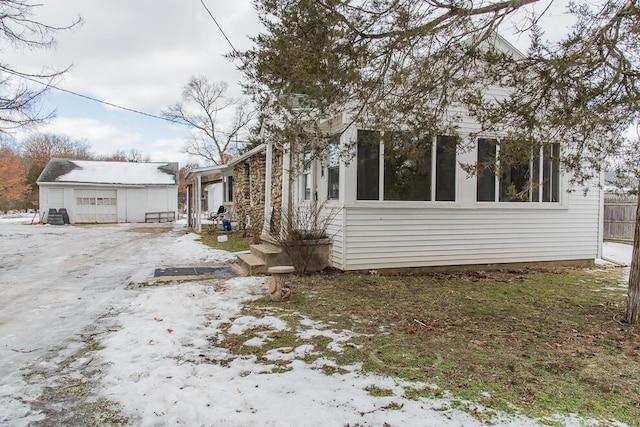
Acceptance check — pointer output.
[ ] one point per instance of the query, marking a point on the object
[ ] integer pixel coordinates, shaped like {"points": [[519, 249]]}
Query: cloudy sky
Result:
{"points": [[137, 54]]}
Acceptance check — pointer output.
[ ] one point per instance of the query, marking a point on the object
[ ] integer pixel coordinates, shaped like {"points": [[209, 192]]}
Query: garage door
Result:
{"points": [[96, 206]]}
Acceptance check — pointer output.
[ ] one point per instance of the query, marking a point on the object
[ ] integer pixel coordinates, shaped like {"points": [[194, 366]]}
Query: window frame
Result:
{"points": [[537, 162], [333, 170], [436, 156], [306, 186]]}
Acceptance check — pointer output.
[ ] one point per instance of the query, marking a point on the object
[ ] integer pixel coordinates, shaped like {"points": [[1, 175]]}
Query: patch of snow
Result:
{"points": [[181, 377], [118, 173], [617, 252], [244, 323]]}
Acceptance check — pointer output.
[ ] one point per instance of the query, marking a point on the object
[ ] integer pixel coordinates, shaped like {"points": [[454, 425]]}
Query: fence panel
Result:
{"points": [[619, 216]]}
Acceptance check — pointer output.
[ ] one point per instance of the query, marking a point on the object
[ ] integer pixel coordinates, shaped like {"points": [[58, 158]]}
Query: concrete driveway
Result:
{"points": [[56, 281]]}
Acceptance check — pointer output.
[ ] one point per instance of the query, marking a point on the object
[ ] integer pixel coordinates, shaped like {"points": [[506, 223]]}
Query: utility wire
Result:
{"points": [[131, 110], [95, 99], [220, 28]]}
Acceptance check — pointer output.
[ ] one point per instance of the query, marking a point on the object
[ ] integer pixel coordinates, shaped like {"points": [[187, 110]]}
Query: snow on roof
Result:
{"points": [[117, 173]]}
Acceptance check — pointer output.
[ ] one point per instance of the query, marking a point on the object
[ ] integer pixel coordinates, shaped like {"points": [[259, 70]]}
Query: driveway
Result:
{"points": [[56, 281]]}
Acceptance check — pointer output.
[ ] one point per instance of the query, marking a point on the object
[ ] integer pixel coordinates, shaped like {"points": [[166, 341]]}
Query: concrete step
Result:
{"points": [[270, 254], [264, 249], [252, 264]]}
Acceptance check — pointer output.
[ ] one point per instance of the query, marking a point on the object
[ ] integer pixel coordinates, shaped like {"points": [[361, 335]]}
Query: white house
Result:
{"points": [[109, 192], [396, 210], [389, 216], [406, 202]]}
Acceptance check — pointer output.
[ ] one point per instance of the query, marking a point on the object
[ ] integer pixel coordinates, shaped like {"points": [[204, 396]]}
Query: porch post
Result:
{"points": [[188, 203], [266, 223], [198, 203], [286, 183]]}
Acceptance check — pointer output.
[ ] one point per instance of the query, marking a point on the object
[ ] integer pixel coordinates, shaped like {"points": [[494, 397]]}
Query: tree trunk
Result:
{"points": [[633, 293]]}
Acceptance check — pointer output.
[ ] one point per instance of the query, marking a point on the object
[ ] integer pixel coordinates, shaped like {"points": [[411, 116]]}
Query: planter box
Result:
{"points": [[321, 252]]}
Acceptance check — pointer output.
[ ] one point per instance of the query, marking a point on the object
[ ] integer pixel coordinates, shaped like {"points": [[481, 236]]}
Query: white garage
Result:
{"points": [[109, 192]]}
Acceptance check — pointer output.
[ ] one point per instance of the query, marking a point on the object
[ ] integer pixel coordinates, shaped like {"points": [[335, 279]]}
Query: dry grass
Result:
{"points": [[533, 341], [235, 242]]}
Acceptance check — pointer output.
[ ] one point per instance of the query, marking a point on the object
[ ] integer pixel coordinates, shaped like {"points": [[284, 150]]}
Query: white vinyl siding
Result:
{"points": [[389, 237], [336, 233], [371, 233]]}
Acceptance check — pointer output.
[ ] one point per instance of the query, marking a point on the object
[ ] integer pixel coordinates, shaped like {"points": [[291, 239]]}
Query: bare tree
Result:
{"points": [[18, 28], [39, 148], [203, 103], [131, 155]]}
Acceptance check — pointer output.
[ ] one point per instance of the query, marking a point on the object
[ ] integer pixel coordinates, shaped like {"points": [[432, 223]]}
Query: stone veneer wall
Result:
{"points": [[241, 194], [258, 170], [276, 191], [248, 192]]}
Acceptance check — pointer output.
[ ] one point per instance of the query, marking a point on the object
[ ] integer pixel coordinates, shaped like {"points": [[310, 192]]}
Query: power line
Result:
{"points": [[220, 28], [95, 99]]}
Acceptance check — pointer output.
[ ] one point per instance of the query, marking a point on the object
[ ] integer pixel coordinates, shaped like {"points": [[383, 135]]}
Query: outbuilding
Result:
{"points": [[109, 192]]}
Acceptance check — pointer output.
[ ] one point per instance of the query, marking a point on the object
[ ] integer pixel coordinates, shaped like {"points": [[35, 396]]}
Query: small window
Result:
{"points": [[551, 173], [228, 183], [446, 168], [486, 185], [333, 171], [368, 181], [306, 175]]}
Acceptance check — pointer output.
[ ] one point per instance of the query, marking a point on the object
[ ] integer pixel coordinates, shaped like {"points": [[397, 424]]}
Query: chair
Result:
{"points": [[218, 215]]}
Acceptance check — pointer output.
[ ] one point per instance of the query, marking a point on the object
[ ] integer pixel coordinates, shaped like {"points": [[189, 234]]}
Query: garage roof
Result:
{"points": [[117, 173]]}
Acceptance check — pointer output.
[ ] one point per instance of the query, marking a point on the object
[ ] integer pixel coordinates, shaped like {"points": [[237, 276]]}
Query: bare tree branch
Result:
{"points": [[203, 101], [18, 102]]}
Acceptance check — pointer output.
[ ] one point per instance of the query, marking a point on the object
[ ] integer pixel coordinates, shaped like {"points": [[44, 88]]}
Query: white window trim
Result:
{"points": [[433, 171], [562, 202]]}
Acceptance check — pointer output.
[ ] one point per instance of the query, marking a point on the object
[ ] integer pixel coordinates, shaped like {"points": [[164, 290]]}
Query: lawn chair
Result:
{"points": [[215, 217]]}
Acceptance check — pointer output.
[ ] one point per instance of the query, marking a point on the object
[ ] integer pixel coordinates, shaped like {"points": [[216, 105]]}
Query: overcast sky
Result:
{"points": [[139, 54]]}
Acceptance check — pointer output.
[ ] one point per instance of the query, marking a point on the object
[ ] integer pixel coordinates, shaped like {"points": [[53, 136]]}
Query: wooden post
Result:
{"points": [[279, 289]]}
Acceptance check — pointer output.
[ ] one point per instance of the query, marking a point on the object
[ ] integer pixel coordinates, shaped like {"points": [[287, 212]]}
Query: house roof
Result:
{"points": [[207, 171], [116, 173], [225, 169], [248, 154]]}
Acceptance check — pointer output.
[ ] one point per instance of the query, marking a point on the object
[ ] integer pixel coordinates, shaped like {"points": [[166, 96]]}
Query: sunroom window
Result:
{"points": [[306, 176], [410, 165], [333, 171], [368, 165], [407, 167], [534, 180]]}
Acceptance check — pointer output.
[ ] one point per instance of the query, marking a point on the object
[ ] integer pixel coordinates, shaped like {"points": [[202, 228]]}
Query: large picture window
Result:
{"points": [[407, 167], [533, 177], [411, 164]]}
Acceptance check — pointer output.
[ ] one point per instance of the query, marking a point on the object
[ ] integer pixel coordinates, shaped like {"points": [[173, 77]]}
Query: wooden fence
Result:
{"points": [[619, 216]]}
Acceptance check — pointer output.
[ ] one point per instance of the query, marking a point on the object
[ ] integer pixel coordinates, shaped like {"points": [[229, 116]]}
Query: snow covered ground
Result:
{"points": [[159, 359], [617, 252]]}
